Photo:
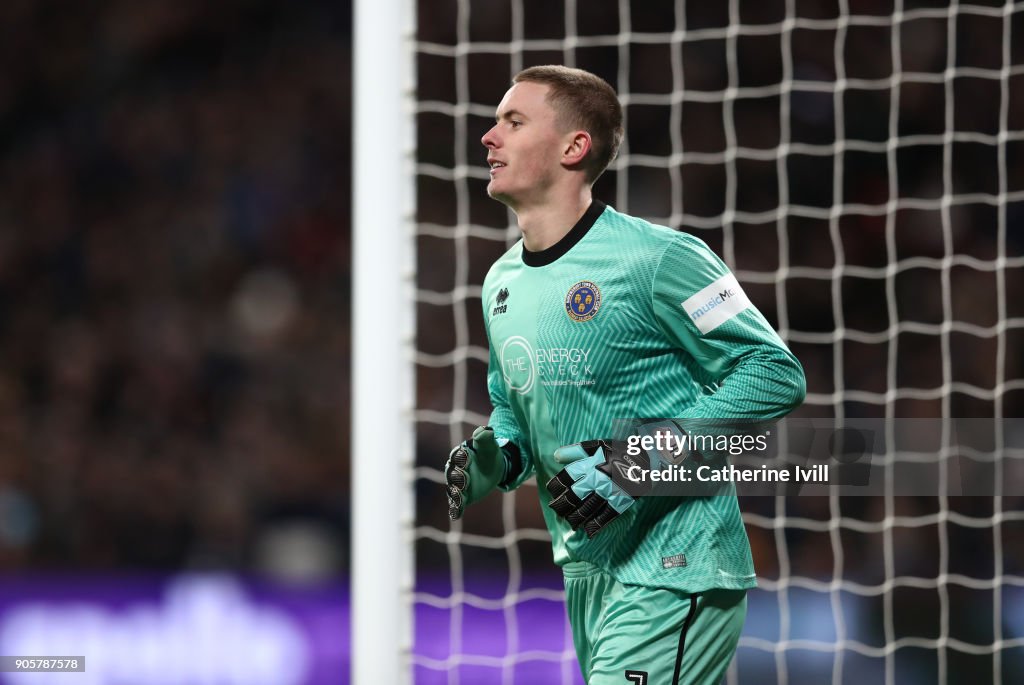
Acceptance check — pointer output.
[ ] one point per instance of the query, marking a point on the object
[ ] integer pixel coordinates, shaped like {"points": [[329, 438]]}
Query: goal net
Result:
{"points": [[860, 166]]}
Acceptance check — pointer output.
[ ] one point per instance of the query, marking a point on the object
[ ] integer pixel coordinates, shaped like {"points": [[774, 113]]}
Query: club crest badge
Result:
{"points": [[583, 301]]}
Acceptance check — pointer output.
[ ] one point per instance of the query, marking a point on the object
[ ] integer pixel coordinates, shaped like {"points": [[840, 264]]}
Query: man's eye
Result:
{"points": [[515, 124]]}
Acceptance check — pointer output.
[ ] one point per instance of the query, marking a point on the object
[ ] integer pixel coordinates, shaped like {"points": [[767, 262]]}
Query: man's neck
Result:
{"points": [[544, 225]]}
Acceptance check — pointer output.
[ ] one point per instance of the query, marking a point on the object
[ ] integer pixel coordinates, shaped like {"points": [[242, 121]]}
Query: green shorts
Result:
{"points": [[633, 634]]}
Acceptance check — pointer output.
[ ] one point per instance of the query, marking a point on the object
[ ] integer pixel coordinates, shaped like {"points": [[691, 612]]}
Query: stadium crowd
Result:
{"points": [[174, 273]]}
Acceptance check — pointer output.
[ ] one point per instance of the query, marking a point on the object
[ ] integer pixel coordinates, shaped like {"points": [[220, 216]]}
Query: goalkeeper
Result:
{"points": [[595, 315]]}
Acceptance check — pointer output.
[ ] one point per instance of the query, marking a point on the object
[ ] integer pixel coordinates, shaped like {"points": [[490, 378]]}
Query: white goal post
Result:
{"points": [[383, 331]]}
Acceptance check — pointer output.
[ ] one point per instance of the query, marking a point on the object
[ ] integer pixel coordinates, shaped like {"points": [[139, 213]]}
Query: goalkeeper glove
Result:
{"points": [[477, 466], [601, 481]]}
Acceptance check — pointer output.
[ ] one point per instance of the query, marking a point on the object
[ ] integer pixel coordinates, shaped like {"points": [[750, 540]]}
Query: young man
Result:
{"points": [[596, 316]]}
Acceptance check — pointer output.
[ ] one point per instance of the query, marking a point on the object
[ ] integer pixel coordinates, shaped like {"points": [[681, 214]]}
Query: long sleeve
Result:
{"points": [[700, 305], [504, 423]]}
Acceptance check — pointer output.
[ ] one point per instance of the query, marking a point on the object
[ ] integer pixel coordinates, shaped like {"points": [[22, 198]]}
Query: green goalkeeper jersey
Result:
{"points": [[621, 319]]}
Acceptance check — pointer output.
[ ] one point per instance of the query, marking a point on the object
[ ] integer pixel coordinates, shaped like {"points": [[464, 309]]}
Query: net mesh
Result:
{"points": [[860, 166]]}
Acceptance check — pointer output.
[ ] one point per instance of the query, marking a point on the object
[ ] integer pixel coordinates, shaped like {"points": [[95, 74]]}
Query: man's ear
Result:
{"points": [[576, 151]]}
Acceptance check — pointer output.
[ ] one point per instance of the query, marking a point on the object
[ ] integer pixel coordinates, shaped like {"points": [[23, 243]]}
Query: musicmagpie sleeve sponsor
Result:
{"points": [[716, 304]]}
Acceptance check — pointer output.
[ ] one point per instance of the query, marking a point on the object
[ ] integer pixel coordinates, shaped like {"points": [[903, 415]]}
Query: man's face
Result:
{"points": [[524, 148]]}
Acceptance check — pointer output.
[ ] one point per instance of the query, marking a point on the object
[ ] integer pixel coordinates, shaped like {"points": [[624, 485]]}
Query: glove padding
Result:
{"points": [[476, 467], [596, 487]]}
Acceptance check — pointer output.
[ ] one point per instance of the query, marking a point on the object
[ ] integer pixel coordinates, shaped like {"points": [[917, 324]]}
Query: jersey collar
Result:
{"points": [[575, 234]]}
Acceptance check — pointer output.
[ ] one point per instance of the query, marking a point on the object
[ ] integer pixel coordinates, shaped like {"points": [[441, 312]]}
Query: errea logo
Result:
{"points": [[499, 302]]}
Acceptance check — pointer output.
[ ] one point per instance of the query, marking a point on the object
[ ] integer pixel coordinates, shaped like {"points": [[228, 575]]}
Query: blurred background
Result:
{"points": [[174, 192], [174, 319], [174, 355]]}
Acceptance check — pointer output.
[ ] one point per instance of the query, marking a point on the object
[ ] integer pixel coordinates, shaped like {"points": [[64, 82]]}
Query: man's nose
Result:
{"points": [[489, 139]]}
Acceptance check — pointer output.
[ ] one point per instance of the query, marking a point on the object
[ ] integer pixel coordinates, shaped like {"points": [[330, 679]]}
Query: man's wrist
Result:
{"points": [[513, 458]]}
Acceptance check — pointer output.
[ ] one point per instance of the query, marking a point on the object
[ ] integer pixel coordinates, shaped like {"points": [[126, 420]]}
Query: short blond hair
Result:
{"points": [[584, 101]]}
